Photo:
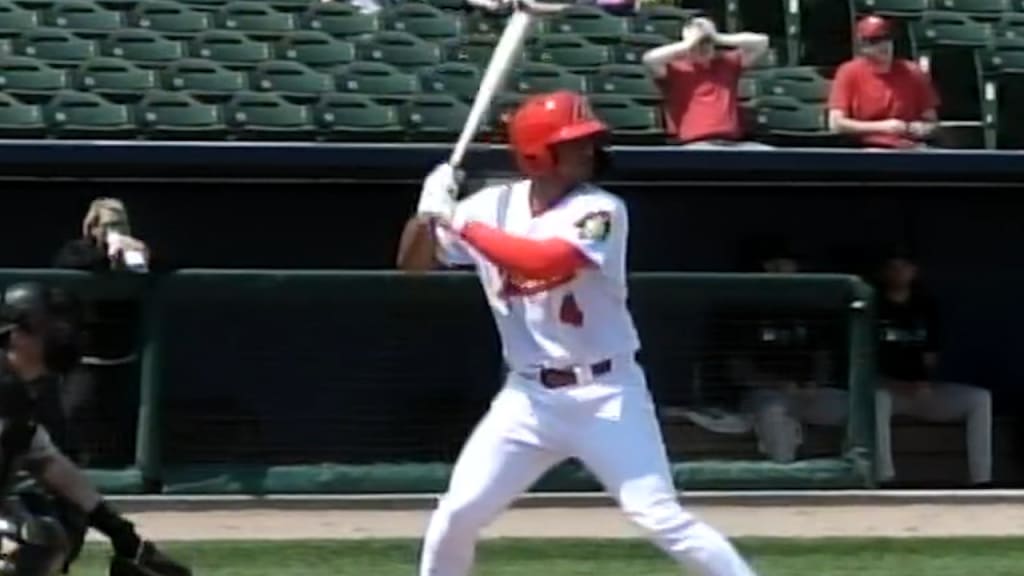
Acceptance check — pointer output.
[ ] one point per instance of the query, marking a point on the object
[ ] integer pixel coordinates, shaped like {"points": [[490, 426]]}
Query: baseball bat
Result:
{"points": [[504, 55]]}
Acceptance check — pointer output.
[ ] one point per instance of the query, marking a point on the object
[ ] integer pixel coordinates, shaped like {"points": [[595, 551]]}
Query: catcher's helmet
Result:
{"points": [[547, 119], [49, 313]]}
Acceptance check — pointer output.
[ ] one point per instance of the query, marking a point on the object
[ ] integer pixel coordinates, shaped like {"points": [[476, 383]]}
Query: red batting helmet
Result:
{"points": [[873, 28], [547, 119]]}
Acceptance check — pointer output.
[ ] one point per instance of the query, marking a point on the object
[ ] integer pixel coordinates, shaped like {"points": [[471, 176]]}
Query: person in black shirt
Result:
{"points": [[908, 355], [787, 366], [99, 396]]}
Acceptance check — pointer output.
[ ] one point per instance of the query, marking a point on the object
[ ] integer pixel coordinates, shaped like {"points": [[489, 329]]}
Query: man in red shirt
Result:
{"points": [[883, 101], [700, 85]]}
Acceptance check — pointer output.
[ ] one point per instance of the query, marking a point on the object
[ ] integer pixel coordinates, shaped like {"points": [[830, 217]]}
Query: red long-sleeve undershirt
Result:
{"points": [[533, 259]]}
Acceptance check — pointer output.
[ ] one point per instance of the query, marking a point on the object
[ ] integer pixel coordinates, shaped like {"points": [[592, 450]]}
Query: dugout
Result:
{"points": [[298, 206]]}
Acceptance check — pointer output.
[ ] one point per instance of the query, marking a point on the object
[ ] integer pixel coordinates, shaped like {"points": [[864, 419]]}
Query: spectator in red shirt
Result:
{"points": [[883, 101], [700, 84]]}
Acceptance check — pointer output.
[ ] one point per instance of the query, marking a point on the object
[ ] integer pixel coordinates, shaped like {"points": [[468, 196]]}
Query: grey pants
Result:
{"points": [[944, 402], [779, 416]]}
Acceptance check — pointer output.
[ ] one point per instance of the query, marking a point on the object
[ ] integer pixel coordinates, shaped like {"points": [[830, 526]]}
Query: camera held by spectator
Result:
{"points": [[107, 242]]}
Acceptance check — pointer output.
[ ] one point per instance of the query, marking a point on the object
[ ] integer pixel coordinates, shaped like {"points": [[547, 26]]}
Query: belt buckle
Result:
{"points": [[584, 374]]}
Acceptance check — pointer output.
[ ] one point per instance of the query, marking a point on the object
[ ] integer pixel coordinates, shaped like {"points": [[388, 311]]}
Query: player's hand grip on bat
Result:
{"points": [[417, 250], [437, 197]]}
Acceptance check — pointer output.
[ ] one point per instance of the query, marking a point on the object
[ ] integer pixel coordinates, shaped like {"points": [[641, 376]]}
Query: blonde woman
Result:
{"points": [[106, 242]]}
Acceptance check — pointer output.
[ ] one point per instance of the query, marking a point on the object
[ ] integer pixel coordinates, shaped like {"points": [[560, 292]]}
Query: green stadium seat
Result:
{"points": [[30, 79], [455, 78], [340, 20], [256, 19], [57, 47], [569, 51], [977, 9], [433, 117], [485, 23], [894, 8], [503, 106], [630, 122], [384, 82], [422, 20], [177, 116], [476, 49], [205, 80], [534, 77], [170, 18], [662, 19], [294, 80], [998, 64], [144, 47], [115, 79], [1010, 26], [356, 118], [631, 47], [36, 5], [118, 5], [749, 87], [632, 81], [204, 5], [449, 5], [948, 29], [725, 13], [232, 49], [399, 49], [267, 116], [294, 6], [20, 120], [84, 17], [315, 49], [590, 22], [506, 103], [805, 84], [6, 48], [14, 19], [71, 114], [782, 116]]}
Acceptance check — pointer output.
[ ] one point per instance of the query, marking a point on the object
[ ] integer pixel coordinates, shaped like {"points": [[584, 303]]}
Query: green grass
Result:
{"points": [[771, 557]]}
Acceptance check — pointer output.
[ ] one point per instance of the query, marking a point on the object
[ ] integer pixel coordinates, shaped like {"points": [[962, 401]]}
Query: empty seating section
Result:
{"points": [[313, 69]]}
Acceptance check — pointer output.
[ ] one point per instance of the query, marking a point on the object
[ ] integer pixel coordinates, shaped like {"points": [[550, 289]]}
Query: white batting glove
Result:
{"points": [[437, 197]]}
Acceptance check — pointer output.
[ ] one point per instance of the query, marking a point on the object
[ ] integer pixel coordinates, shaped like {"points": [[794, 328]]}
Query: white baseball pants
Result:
{"points": [[610, 425]]}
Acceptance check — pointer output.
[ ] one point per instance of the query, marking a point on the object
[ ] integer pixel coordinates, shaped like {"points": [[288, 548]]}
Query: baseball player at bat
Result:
{"points": [[550, 253], [39, 330]]}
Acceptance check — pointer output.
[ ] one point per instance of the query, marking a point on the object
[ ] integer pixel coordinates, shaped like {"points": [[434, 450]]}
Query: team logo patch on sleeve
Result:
{"points": [[595, 225]]}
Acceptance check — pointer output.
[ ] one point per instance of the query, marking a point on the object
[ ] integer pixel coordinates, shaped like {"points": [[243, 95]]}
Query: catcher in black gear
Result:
{"points": [[39, 326]]}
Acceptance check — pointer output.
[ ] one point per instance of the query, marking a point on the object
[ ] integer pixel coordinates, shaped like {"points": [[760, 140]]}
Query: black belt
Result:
{"points": [[560, 378]]}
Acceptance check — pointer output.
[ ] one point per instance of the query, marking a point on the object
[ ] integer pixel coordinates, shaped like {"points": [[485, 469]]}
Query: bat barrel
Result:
{"points": [[504, 55]]}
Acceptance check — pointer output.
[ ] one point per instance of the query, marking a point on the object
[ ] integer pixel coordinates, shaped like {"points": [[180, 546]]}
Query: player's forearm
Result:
{"points": [[843, 125], [662, 55], [417, 249], [534, 259], [61, 476], [742, 40]]}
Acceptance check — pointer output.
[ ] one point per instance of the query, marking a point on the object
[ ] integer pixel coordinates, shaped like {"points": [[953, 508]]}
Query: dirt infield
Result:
{"points": [[794, 521]]}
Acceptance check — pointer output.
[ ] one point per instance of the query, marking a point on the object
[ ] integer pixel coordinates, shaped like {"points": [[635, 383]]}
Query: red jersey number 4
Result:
{"points": [[569, 312]]}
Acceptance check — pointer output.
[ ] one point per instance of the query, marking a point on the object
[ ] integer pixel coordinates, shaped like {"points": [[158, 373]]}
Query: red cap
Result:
{"points": [[873, 28]]}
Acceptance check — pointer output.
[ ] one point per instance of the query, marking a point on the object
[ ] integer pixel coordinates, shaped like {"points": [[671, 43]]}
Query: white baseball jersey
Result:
{"points": [[561, 321]]}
